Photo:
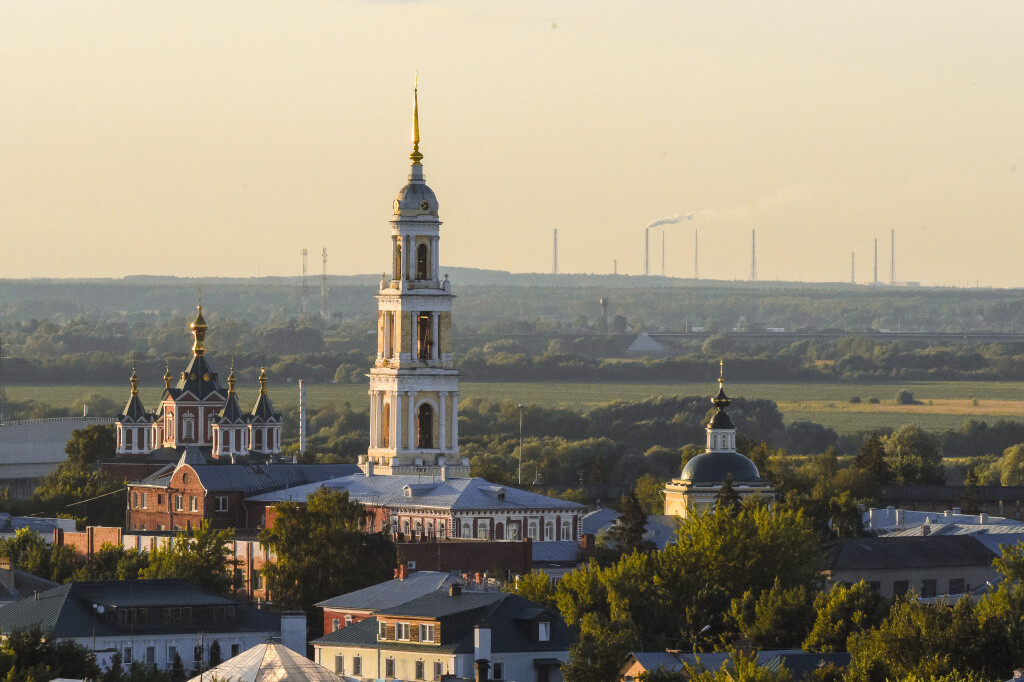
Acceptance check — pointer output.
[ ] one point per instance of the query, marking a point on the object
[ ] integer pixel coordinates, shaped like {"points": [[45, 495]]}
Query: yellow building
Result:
{"points": [[695, 490]]}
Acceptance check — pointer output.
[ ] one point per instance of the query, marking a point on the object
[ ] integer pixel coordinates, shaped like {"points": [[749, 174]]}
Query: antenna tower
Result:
{"points": [[663, 253], [753, 255], [892, 259], [853, 279], [647, 250], [323, 290], [554, 266], [305, 283]]}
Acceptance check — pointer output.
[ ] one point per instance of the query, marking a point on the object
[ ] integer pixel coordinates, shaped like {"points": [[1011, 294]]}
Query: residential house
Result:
{"points": [[926, 565], [445, 632], [354, 607], [149, 621]]}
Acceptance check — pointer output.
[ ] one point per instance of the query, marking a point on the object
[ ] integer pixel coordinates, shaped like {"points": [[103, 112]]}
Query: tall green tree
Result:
{"points": [[627, 533], [842, 611], [727, 499], [322, 549], [778, 618], [535, 586], [113, 562], [201, 556], [913, 456], [871, 458], [92, 445]]}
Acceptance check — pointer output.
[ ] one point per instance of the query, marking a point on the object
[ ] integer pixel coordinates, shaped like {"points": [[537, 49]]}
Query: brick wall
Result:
{"points": [[469, 556]]}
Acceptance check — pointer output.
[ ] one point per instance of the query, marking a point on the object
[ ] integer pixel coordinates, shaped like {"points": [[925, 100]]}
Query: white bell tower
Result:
{"points": [[414, 388]]}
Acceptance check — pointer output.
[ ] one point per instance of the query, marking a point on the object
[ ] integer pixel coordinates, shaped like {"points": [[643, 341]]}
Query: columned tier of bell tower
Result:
{"points": [[414, 386]]}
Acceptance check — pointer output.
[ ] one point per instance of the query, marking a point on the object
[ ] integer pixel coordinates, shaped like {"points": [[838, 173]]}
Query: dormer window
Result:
{"points": [[382, 630], [544, 631]]}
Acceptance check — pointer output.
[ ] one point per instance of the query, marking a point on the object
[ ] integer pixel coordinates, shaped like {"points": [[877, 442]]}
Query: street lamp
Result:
{"points": [[521, 407]]}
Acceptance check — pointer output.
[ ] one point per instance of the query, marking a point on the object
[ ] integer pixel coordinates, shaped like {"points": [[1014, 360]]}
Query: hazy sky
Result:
{"points": [[219, 138]]}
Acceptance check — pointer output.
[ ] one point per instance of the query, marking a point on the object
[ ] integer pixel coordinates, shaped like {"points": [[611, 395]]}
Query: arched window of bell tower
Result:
{"points": [[385, 425], [422, 262], [425, 336], [398, 260], [425, 426]]}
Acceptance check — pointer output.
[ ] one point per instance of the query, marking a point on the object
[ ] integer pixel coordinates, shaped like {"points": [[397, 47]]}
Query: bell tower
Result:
{"points": [[414, 387]]}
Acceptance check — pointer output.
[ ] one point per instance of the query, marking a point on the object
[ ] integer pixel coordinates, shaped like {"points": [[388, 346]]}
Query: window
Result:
{"points": [[135, 500], [357, 665], [422, 256], [193, 503], [222, 503], [900, 587], [544, 631], [188, 428], [875, 585], [339, 664], [150, 655], [235, 649], [348, 619], [440, 529], [184, 478], [197, 656], [257, 580], [402, 632], [531, 531], [957, 586], [438, 670], [142, 500], [172, 653], [382, 630], [127, 655], [498, 671], [483, 529], [335, 624], [425, 426], [178, 503], [385, 426], [549, 530], [928, 588], [426, 633], [128, 438], [566, 530], [389, 667], [159, 500], [467, 529], [419, 670], [259, 439]]}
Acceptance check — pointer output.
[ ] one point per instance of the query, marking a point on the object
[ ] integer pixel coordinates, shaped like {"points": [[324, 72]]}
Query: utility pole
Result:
{"points": [[663, 253], [647, 251], [521, 406], [753, 255]]}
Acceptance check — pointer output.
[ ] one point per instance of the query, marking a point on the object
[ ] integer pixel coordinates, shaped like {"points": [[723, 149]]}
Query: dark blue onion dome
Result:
{"points": [[713, 467]]}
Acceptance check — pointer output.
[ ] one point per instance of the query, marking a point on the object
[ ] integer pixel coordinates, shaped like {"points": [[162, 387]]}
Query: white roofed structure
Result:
{"points": [[269, 662]]}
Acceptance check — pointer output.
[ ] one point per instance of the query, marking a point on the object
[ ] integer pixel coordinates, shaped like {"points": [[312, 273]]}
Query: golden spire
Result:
{"points": [[721, 373], [263, 380], [416, 156], [231, 378], [167, 375], [199, 328], [134, 378], [721, 401]]}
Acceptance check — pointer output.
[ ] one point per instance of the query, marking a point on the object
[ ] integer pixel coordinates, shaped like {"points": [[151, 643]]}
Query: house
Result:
{"points": [[446, 632], [353, 607], [888, 519], [16, 584], [181, 497], [800, 663], [149, 621], [927, 565]]}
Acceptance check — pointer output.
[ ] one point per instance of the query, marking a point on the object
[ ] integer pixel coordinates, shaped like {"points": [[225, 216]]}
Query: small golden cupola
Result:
{"points": [[199, 328], [167, 375], [263, 380], [231, 379], [134, 381]]}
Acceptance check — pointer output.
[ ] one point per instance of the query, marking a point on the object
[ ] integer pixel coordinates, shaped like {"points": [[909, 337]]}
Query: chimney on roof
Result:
{"points": [[983, 518], [957, 510], [454, 590], [369, 467], [482, 649], [899, 517]]}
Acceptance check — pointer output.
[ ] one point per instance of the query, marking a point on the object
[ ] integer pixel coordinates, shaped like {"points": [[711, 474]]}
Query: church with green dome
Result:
{"points": [[695, 490]]}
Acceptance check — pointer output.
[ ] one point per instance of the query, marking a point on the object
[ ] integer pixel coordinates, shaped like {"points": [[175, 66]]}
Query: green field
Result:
{"points": [[951, 402]]}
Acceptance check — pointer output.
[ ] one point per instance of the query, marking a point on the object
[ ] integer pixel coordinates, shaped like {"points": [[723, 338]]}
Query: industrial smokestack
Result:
{"points": [[696, 270], [669, 220], [876, 261], [892, 258], [663, 253], [753, 255], [853, 279], [323, 290], [615, 266], [555, 265]]}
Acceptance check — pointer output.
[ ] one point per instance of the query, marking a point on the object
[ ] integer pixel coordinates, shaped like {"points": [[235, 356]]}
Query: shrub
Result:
{"points": [[874, 401], [905, 397], [855, 399]]}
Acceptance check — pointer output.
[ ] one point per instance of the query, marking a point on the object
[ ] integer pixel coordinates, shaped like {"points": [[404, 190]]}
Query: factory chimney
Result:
{"points": [[302, 418], [753, 255], [696, 270]]}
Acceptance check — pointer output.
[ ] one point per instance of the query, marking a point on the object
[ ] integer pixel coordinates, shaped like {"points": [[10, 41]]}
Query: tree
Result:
{"points": [[871, 458], [535, 586], [27, 655], [913, 456], [322, 549], [650, 491], [842, 611], [75, 481], [215, 654], [599, 651], [627, 533], [93, 444], [778, 618], [727, 499], [177, 669], [1012, 465], [113, 562], [741, 668], [199, 556]]}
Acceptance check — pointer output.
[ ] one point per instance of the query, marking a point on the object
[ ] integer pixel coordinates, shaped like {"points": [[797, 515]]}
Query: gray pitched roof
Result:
{"points": [[263, 411], [453, 493], [256, 478], [17, 584], [134, 412], [931, 551], [69, 610], [393, 592], [512, 620], [195, 381], [232, 412]]}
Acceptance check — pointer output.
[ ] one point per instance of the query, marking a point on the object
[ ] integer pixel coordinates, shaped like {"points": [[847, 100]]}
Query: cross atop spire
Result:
{"points": [[416, 156], [721, 401]]}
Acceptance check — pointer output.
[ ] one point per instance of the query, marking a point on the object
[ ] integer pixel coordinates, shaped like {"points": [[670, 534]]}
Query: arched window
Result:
{"points": [[424, 336], [259, 439], [188, 428], [425, 426], [385, 425], [405, 527], [566, 530], [467, 529], [422, 257], [499, 531], [483, 529], [441, 529], [430, 528], [398, 259], [531, 531], [549, 531], [128, 438]]}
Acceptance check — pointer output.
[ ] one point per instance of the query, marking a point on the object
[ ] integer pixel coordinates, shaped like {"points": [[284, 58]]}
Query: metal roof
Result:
{"points": [[931, 551], [393, 592], [450, 494]]}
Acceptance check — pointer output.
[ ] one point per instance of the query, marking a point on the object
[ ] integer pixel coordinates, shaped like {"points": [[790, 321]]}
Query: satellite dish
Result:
{"points": [[99, 608]]}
